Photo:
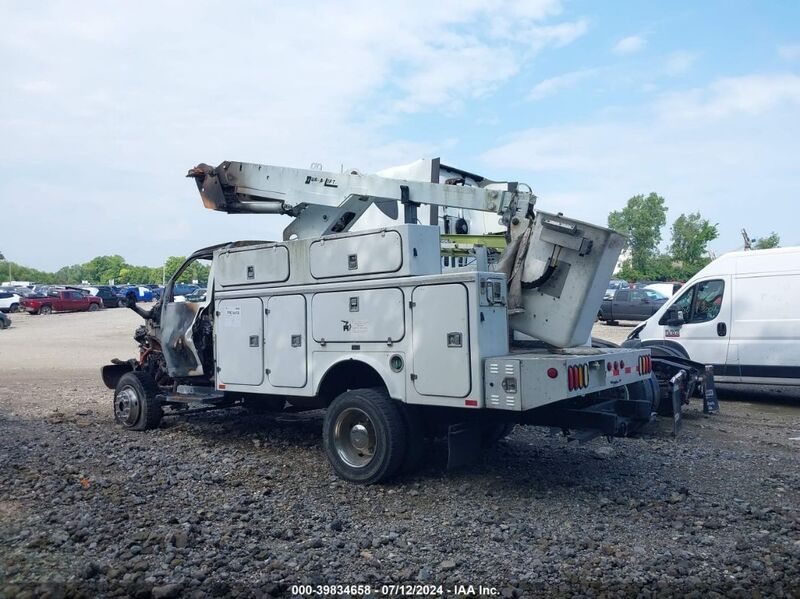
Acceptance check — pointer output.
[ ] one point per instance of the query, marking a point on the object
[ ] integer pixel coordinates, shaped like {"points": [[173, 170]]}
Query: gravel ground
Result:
{"points": [[231, 504]]}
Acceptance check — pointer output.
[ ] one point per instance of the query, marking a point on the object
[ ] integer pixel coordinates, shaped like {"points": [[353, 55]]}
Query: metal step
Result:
{"points": [[193, 394]]}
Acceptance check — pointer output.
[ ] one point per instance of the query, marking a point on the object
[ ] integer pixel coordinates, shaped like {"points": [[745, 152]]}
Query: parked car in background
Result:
{"points": [[137, 293], [9, 302], [183, 289], [630, 304], [18, 290], [107, 295], [740, 314], [613, 285], [5, 321], [665, 289], [198, 295], [156, 291], [65, 300]]}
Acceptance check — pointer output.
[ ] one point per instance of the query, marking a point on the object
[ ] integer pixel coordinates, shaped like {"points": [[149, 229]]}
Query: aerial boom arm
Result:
{"points": [[325, 202]]}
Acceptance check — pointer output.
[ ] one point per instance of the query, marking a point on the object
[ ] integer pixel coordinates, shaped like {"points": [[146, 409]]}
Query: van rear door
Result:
{"points": [[705, 332]]}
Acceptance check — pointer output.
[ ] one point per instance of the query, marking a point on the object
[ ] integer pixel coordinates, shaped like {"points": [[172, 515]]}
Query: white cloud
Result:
{"points": [[105, 107], [730, 151], [629, 45], [789, 51], [552, 85], [749, 95], [680, 62]]}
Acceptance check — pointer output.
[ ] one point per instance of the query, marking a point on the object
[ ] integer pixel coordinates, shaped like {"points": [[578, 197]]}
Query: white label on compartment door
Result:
{"points": [[232, 317]]}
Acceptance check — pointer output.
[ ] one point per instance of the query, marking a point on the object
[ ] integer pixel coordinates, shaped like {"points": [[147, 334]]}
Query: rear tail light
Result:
{"points": [[578, 377], [645, 364]]}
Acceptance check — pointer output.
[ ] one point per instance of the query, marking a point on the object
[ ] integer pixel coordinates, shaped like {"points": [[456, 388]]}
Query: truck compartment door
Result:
{"points": [[286, 341], [239, 337], [440, 340]]}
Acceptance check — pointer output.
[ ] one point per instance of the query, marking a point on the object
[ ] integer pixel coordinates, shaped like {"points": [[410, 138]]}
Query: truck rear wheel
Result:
{"points": [[647, 390], [45, 310], [93, 307], [365, 436], [135, 404]]}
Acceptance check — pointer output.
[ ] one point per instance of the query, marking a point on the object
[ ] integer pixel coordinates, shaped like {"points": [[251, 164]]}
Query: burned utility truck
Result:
{"points": [[365, 323]]}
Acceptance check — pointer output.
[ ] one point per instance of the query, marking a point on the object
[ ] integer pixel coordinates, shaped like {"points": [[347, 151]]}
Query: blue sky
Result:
{"points": [[103, 108]]}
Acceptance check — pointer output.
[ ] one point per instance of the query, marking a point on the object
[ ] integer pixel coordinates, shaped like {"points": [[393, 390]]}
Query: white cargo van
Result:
{"points": [[741, 314]]}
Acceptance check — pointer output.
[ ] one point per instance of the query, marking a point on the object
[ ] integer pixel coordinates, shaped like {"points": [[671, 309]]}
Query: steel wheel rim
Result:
{"points": [[354, 438], [127, 406]]}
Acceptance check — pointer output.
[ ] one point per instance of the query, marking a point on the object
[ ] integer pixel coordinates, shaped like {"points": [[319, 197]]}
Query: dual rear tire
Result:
{"points": [[366, 436]]}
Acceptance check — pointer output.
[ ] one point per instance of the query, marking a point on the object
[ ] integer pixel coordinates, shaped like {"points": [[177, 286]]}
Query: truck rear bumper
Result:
{"points": [[608, 417], [526, 381]]}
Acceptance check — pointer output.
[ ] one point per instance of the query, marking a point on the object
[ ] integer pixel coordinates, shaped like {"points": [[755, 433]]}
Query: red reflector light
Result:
{"points": [[470, 402], [552, 373]]}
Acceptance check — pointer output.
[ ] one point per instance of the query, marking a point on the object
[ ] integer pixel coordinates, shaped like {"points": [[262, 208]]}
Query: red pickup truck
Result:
{"points": [[60, 301]]}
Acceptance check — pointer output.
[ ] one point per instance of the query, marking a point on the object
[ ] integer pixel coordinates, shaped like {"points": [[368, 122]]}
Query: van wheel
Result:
{"points": [[666, 350], [135, 404], [644, 391], [365, 436]]}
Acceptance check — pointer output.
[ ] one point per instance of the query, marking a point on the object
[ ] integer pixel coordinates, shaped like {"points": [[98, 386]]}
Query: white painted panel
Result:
{"points": [[439, 312], [358, 316], [252, 266], [286, 341], [356, 255], [239, 331]]}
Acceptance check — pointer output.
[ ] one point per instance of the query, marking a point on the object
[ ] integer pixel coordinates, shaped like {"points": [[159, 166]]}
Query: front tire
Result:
{"points": [[365, 436], [135, 404]]}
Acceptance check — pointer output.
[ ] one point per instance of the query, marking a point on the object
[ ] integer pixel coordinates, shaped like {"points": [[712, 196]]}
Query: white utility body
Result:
{"points": [[366, 324], [287, 312]]}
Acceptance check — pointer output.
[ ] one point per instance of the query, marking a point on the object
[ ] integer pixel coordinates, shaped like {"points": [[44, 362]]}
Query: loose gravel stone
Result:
{"points": [[198, 509]]}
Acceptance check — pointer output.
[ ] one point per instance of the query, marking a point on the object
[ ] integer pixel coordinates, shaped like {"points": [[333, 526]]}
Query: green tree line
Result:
{"points": [[642, 220], [102, 269]]}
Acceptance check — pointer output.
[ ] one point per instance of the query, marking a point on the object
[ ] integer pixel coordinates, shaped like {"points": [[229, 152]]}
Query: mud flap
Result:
{"points": [[677, 384], [111, 373], [710, 400], [463, 444]]}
